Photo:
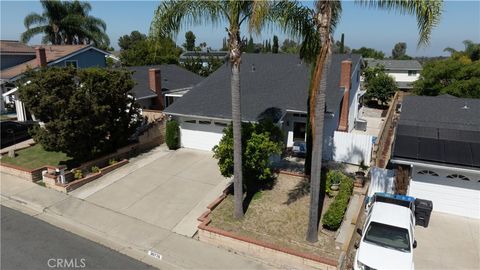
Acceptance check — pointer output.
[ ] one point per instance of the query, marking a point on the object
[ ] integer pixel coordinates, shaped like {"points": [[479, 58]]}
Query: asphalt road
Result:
{"points": [[29, 243]]}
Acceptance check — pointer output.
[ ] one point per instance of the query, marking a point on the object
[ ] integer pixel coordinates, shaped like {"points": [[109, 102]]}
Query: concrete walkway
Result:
{"points": [[17, 146], [124, 233]]}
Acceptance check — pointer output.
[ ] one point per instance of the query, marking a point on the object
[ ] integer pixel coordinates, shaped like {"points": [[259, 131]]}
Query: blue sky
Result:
{"points": [[362, 26]]}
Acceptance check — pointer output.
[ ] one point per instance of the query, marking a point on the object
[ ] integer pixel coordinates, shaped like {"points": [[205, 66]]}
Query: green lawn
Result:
{"points": [[35, 156]]}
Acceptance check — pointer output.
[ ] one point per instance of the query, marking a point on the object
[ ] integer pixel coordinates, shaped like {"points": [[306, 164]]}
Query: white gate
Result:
{"points": [[352, 148]]}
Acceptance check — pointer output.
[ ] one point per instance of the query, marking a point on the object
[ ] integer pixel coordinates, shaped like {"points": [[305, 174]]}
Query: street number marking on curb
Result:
{"points": [[155, 255]]}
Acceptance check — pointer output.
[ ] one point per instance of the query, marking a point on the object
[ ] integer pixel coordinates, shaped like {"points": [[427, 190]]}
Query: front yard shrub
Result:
{"points": [[78, 174], [334, 215], [112, 161], [172, 136], [95, 169], [333, 177]]}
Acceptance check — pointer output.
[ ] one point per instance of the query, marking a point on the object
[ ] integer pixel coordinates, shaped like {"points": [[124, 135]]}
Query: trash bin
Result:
{"points": [[423, 210]]}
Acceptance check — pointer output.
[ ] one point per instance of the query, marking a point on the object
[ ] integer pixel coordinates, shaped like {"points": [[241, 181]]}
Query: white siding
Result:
{"points": [[452, 196], [402, 75]]}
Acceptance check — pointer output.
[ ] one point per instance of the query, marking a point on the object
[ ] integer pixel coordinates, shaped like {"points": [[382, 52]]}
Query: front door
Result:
{"points": [[299, 130]]}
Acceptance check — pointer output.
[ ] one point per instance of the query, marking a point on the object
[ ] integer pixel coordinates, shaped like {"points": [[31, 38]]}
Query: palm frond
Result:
{"points": [[259, 13], [33, 18], [29, 33], [427, 13], [171, 15]]}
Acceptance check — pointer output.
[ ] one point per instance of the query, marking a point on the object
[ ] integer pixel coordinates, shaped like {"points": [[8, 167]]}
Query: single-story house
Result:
{"points": [[405, 72], [437, 142], [274, 85], [78, 56], [157, 87]]}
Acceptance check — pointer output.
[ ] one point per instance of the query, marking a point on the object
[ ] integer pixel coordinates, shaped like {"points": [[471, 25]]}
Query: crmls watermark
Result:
{"points": [[61, 263]]}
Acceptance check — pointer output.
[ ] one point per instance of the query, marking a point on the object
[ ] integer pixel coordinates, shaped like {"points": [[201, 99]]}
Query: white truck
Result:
{"points": [[388, 236]]}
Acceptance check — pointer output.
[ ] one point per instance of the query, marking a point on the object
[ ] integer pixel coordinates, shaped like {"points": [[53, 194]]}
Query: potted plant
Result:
{"points": [[335, 182], [360, 174]]}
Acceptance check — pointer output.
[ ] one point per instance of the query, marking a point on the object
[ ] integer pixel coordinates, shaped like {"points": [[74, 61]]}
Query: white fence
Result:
{"points": [[352, 148]]}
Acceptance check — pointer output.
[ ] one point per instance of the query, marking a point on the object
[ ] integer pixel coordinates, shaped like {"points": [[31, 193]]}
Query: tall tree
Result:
{"points": [[275, 44], [189, 44], [256, 13], [369, 53], [290, 46], [342, 44], [250, 46], [127, 41], [317, 45], [66, 22], [224, 44], [399, 51]]}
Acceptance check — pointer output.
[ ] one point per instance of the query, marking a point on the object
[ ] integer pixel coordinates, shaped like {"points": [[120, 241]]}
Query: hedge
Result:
{"points": [[334, 215], [172, 136]]}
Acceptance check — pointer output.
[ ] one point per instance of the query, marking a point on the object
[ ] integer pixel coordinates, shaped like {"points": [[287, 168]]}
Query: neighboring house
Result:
{"points": [[13, 53], [438, 142], [405, 72], [205, 56], [275, 86], [157, 87], [78, 56]]}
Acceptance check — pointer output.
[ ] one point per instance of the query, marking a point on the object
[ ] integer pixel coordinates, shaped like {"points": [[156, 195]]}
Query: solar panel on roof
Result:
{"points": [[475, 154], [430, 149], [406, 147], [458, 153]]}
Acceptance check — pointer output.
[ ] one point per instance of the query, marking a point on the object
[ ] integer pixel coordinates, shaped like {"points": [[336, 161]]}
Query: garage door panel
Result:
{"points": [[202, 137], [448, 199]]}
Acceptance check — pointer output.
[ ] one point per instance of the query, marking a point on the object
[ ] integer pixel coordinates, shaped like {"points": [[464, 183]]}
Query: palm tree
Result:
{"points": [[316, 46], [65, 22], [167, 21]]}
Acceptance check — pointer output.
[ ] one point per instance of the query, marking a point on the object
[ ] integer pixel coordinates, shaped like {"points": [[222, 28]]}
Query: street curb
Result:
{"points": [[82, 230]]}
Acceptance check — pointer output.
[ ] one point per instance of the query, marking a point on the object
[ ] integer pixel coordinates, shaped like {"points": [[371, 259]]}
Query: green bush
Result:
{"points": [[78, 174], [172, 136], [95, 169], [112, 161], [334, 215]]}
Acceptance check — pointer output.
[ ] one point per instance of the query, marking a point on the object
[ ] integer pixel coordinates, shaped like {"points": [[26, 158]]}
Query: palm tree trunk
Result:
{"points": [[316, 190], [317, 113], [235, 57]]}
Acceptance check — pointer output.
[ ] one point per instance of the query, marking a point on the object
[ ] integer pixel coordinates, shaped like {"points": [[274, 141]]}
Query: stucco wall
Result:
{"points": [[402, 75]]}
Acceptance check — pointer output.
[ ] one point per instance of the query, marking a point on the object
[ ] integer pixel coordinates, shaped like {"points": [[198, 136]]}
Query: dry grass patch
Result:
{"points": [[270, 219]]}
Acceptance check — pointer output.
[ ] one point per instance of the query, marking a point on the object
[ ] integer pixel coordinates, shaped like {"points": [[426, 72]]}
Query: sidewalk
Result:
{"points": [[125, 234]]}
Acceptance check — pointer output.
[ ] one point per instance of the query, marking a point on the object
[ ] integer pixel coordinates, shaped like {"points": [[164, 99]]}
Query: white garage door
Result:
{"points": [[200, 134], [449, 194]]}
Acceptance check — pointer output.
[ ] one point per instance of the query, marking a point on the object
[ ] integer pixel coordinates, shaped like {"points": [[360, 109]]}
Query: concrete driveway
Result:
{"points": [[449, 242], [170, 192]]}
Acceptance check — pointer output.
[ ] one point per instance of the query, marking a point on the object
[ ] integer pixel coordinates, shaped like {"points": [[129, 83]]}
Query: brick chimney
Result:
{"points": [[155, 83], [41, 56], [345, 81]]}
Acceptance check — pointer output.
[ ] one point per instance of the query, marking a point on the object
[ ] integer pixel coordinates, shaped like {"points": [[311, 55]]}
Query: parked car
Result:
{"points": [[388, 237], [14, 132], [299, 148]]}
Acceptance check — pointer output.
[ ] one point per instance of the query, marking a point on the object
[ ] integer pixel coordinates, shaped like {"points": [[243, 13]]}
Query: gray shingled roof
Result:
{"points": [[442, 112], [279, 82], [441, 129], [391, 64], [173, 77]]}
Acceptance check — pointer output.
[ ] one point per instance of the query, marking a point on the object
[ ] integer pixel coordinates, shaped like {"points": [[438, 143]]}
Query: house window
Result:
{"points": [[299, 131], [71, 63], [220, 124], [190, 121], [412, 73], [458, 176], [204, 122], [302, 115], [427, 172]]}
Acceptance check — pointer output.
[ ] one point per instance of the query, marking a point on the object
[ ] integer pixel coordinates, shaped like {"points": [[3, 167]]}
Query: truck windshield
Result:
{"points": [[388, 236]]}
